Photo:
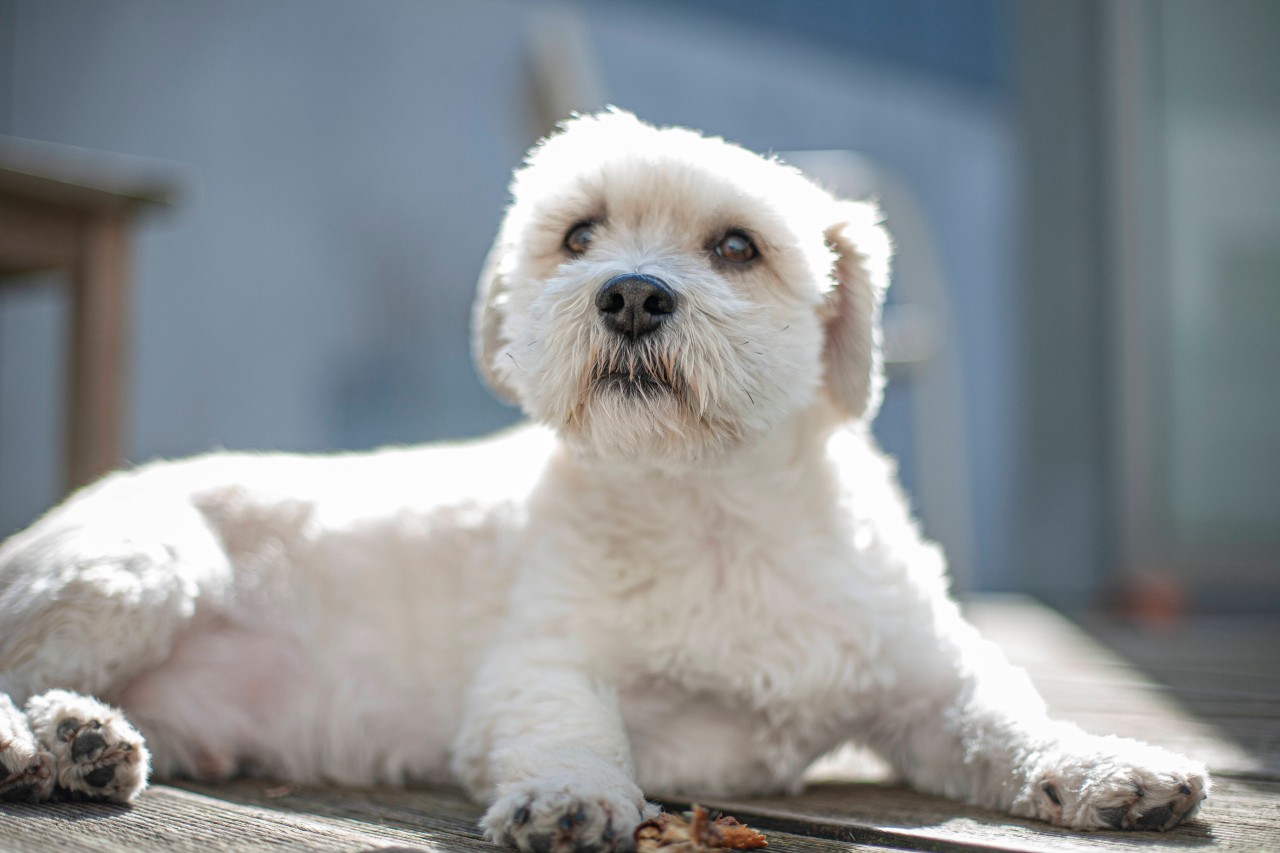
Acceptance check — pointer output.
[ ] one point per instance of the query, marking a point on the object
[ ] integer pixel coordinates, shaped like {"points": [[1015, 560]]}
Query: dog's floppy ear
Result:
{"points": [[852, 361], [487, 339]]}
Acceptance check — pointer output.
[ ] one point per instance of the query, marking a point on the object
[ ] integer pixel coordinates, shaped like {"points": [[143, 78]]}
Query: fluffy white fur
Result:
{"points": [[697, 581]]}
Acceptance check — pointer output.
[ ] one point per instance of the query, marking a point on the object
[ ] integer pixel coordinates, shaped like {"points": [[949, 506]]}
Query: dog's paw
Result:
{"points": [[98, 754], [25, 776], [1121, 784], [26, 770], [549, 816]]}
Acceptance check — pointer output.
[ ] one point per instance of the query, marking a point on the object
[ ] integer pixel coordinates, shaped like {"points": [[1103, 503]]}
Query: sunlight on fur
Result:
{"points": [[692, 574]]}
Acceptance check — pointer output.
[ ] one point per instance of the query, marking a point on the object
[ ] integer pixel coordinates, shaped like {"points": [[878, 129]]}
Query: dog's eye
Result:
{"points": [[579, 238], [736, 247]]}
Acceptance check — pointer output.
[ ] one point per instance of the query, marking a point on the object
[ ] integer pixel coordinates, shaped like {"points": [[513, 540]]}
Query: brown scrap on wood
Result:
{"points": [[694, 832]]}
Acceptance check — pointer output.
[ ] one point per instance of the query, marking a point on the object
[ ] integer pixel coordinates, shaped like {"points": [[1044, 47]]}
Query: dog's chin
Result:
{"points": [[639, 385], [642, 420]]}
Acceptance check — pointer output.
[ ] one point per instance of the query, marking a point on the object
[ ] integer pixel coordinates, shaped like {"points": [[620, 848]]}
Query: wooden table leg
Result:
{"points": [[98, 362]]}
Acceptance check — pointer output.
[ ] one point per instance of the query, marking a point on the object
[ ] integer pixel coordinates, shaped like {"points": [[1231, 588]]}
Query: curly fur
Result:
{"points": [[694, 573]]}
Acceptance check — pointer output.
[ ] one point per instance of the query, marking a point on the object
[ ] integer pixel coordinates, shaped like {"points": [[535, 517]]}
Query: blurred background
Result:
{"points": [[1085, 371]]}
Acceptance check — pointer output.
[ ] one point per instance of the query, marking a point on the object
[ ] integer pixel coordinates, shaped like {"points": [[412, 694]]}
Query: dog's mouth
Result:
{"points": [[641, 375], [633, 383], [647, 395]]}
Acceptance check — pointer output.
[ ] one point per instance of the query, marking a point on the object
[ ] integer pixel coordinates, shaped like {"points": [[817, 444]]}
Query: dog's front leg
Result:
{"points": [[975, 729], [544, 743]]}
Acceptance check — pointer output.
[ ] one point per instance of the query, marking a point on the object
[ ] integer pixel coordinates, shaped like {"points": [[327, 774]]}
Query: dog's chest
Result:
{"points": [[725, 608], [738, 666], [736, 678]]}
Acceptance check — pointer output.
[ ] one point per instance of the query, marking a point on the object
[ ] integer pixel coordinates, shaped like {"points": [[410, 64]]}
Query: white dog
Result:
{"points": [[695, 574]]}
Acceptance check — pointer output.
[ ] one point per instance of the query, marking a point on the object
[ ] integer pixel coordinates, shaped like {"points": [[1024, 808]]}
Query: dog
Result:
{"points": [[692, 573]]}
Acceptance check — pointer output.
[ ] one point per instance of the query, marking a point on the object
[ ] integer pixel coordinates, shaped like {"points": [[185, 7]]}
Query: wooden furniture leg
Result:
{"points": [[97, 364]]}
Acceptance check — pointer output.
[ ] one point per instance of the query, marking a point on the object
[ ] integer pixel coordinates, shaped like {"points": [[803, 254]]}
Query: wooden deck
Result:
{"points": [[1211, 689]]}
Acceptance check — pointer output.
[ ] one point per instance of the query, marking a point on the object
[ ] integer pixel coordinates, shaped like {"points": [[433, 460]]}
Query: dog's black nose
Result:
{"points": [[634, 305]]}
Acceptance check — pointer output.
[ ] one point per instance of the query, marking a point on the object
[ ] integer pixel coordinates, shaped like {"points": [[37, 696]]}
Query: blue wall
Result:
{"points": [[346, 166]]}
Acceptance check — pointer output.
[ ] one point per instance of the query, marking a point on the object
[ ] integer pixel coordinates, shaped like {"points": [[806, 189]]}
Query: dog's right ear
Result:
{"points": [[487, 339]]}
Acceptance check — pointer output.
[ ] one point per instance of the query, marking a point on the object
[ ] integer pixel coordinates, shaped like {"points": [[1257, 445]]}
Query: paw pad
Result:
{"points": [[87, 745], [100, 777], [1157, 818], [32, 783]]}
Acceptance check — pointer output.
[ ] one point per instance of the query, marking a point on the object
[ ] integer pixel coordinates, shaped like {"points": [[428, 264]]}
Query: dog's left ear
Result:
{"points": [[852, 361], [487, 339]]}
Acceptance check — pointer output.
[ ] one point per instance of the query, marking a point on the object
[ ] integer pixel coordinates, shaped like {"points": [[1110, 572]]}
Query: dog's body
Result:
{"points": [[314, 617], [697, 575]]}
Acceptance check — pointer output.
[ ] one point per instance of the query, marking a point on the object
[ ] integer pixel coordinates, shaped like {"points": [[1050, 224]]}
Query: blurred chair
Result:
{"points": [[73, 210]]}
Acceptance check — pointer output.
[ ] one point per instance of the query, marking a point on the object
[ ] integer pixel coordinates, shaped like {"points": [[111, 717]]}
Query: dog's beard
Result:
{"points": [[641, 401], [638, 388], [648, 374]]}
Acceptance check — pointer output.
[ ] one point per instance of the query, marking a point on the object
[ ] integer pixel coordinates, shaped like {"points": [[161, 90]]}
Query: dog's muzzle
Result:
{"points": [[634, 305]]}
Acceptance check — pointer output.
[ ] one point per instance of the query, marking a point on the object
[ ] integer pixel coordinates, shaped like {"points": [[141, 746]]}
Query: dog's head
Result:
{"points": [[657, 294]]}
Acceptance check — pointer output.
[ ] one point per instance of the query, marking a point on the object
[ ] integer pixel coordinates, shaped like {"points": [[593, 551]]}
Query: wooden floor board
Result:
{"points": [[1244, 815], [172, 819], [1109, 680]]}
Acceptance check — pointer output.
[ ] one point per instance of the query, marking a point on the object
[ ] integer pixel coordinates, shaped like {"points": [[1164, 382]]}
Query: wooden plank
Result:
{"points": [[859, 817], [1222, 670], [170, 819], [430, 814], [1241, 815], [440, 816], [83, 179], [1086, 682]]}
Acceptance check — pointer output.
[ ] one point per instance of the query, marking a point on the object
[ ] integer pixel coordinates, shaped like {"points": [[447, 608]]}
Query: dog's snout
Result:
{"points": [[634, 305]]}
